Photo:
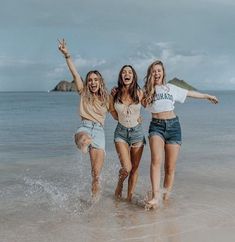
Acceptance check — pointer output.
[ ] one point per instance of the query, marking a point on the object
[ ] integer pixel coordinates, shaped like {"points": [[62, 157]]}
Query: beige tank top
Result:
{"points": [[94, 112], [128, 115]]}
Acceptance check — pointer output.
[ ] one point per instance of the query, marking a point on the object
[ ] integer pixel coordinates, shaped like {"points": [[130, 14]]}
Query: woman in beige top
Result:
{"points": [[129, 136], [93, 108]]}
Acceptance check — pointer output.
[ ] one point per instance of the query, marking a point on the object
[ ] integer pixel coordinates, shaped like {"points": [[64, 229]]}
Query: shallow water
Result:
{"points": [[45, 181]]}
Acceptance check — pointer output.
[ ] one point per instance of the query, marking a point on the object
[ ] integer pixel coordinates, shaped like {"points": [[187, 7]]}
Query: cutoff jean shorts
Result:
{"points": [[96, 131], [168, 129], [129, 135]]}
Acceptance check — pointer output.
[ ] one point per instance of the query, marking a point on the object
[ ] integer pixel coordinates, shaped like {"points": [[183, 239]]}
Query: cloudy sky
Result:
{"points": [[195, 40]]}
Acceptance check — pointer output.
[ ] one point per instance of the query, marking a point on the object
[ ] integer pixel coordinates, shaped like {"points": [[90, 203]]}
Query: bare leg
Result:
{"points": [[82, 140], [97, 160], [157, 153], [171, 155], [124, 157], [136, 153]]}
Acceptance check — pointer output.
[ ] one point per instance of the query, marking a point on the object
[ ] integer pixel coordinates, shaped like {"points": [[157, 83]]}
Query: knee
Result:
{"points": [[156, 161], [134, 169], [128, 168], [123, 172], [82, 139], [169, 170]]}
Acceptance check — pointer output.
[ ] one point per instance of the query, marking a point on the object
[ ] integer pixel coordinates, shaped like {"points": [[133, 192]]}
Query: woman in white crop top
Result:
{"points": [[164, 131], [94, 104], [129, 136]]}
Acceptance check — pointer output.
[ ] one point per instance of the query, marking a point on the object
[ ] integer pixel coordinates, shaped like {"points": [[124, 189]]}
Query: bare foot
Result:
{"points": [[166, 195], [118, 191], [95, 188], [129, 197], [152, 204]]}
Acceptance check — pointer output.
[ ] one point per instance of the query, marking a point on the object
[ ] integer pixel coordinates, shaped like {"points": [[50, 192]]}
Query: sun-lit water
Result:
{"points": [[45, 180]]}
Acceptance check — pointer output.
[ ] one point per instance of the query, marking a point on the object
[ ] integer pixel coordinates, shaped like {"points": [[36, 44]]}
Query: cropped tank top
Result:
{"points": [[128, 114]]}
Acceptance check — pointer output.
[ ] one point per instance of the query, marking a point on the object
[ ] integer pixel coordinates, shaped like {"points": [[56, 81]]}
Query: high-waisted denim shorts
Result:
{"points": [[129, 135], [96, 131], [168, 129]]}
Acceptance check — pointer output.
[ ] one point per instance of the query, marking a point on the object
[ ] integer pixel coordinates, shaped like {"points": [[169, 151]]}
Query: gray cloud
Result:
{"points": [[194, 38]]}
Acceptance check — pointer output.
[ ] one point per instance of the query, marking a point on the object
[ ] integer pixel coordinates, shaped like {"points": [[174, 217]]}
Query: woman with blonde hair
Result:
{"points": [[164, 131], [94, 105]]}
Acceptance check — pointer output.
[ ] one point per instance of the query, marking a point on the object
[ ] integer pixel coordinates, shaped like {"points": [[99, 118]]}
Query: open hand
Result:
{"points": [[213, 99], [114, 91]]}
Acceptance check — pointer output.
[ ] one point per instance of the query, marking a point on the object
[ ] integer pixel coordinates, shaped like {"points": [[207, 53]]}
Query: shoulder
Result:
{"points": [[173, 87], [170, 86]]}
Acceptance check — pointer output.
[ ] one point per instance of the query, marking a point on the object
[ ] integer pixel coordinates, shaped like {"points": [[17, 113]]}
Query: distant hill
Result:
{"points": [[65, 86], [182, 84]]}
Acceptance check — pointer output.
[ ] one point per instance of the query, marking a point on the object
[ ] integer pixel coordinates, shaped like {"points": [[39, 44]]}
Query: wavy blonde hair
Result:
{"points": [[102, 96], [149, 87]]}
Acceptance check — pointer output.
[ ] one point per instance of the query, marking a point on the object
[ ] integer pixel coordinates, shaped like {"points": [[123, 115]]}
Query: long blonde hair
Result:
{"points": [[149, 87], [102, 95]]}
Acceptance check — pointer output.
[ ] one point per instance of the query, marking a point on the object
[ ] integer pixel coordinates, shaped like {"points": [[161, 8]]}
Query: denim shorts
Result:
{"points": [[168, 129], [96, 131], [129, 135]]}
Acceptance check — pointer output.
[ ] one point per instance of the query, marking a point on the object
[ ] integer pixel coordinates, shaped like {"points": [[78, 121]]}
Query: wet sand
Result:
{"points": [[201, 208]]}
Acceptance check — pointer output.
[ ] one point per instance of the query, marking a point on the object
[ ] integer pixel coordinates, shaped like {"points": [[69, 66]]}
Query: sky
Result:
{"points": [[194, 39]]}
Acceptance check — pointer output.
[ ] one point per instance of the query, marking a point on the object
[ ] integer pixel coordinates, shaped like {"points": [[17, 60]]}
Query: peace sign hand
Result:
{"points": [[62, 47]]}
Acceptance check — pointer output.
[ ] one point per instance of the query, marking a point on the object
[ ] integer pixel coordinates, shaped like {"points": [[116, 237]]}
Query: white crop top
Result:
{"points": [[165, 98], [128, 114]]}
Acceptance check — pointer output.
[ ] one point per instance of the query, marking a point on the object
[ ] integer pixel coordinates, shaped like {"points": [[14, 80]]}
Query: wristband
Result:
{"points": [[66, 56]]}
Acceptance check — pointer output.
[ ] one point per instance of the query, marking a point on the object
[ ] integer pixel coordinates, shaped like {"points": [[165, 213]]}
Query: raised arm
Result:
{"points": [[64, 50], [200, 95]]}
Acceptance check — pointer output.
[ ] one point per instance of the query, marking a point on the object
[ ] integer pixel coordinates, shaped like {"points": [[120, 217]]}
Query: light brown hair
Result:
{"points": [[149, 87], [102, 94]]}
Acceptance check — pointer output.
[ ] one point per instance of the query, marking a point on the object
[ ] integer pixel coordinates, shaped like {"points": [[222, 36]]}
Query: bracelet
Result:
{"points": [[66, 56]]}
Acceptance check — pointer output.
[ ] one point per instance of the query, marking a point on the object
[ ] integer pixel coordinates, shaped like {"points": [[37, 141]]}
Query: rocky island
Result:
{"points": [[65, 86], [182, 84]]}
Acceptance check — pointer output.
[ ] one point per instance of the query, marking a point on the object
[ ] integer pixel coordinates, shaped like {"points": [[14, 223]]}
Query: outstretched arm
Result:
{"points": [[64, 50], [200, 95]]}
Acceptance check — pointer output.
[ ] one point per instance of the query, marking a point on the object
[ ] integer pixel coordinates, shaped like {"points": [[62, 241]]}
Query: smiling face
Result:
{"points": [[157, 74], [93, 83], [127, 75]]}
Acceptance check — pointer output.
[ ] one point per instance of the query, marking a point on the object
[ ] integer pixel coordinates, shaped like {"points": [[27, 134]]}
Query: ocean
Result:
{"points": [[45, 181]]}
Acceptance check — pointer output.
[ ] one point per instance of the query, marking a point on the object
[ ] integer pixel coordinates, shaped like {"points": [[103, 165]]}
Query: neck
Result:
{"points": [[126, 89]]}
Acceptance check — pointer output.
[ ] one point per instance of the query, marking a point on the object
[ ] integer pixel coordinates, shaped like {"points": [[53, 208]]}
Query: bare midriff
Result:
{"points": [[164, 115]]}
